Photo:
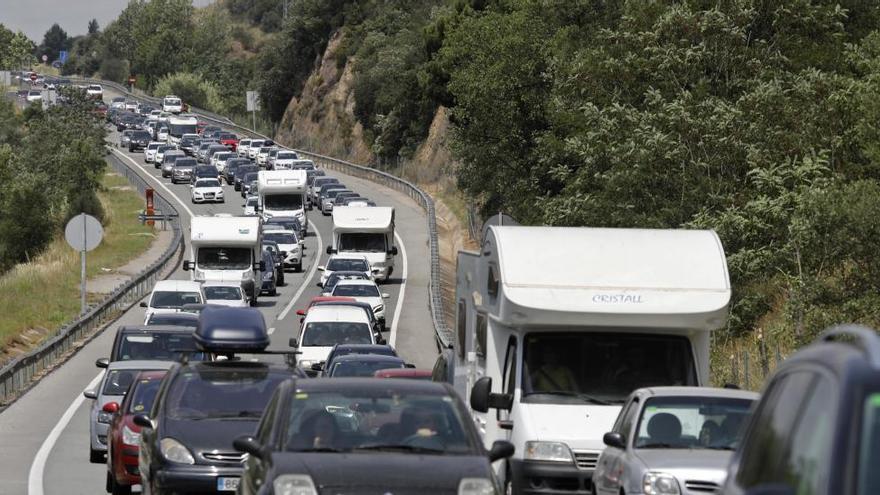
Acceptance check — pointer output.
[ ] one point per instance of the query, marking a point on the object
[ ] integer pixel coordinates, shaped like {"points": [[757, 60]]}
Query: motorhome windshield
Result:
{"points": [[571, 367], [283, 201], [362, 242], [224, 258]]}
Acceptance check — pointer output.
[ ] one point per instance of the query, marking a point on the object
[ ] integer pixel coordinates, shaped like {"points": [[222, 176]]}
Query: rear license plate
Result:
{"points": [[227, 484]]}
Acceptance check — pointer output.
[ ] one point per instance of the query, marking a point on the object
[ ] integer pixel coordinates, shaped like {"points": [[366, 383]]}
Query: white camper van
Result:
{"points": [[282, 194], [227, 247], [367, 232], [178, 125], [556, 326], [172, 104]]}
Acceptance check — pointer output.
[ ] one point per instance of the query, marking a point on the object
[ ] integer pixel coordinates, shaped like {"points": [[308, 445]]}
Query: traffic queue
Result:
{"points": [[583, 358]]}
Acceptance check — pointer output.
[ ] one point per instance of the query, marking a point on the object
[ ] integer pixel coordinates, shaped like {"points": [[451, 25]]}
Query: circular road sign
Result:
{"points": [[33, 76], [83, 232], [45, 57]]}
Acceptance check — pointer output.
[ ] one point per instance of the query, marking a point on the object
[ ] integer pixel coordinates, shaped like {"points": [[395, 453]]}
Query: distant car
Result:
{"points": [[329, 197], [182, 171], [224, 294], [365, 291], [219, 159], [345, 263], [288, 223], [362, 365], [150, 151], [289, 244], [672, 438], [253, 148], [165, 158], [408, 373], [324, 327], [138, 141], [205, 172], [229, 140], [342, 275], [162, 133], [241, 149], [34, 96], [173, 319], [125, 138], [240, 173], [340, 350], [272, 247], [270, 277], [159, 343], [207, 190], [250, 205], [111, 389], [95, 91], [263, 155], [123, 436], [284, 160], [231, 167], [169, 296]]}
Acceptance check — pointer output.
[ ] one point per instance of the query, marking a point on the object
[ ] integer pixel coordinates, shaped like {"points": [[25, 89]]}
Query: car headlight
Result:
{"points": [[294, 484], [548, 452], [130, 437], [379, 308], [175, 451], [655, 483], [220, 194], [475, 486], [246, 275], [105, 417]]}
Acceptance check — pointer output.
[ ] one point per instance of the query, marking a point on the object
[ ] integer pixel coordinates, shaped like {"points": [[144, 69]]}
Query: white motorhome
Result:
{"points": [[556, 326], [282, 193], [178, 125], [172, 104], [227, 247], [368, 232]]}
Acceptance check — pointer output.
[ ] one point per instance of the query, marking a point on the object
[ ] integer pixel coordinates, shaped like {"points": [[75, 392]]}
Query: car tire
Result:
{"points": [[298, 267], [96, 456], [274, 291], [253, 302], [115, 488]]}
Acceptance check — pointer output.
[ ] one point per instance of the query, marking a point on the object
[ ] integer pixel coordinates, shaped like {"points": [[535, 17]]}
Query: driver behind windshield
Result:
{"points": [[548, 375]]}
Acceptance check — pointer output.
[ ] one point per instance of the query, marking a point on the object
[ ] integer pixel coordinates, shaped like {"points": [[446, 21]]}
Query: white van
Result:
{"points": [[326, 326], [556, 326], [172, 104], [367, 232], [169, 296]]}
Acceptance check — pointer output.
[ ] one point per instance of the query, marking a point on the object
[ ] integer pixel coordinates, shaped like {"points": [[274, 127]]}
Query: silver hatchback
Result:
{"points": [[672, 441]]}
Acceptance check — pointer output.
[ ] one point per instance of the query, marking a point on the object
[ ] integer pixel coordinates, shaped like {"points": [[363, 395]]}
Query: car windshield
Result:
{"points": [[692, 423], [283, 201], [184, 162], [222, 292], [869, 450], [328, 333], [285, 155], [174, 299], [333, 279], [118, 381], [342, 264], [368, 419], [208, 183], [173, 319], [356, 290], [280, 237], [253, 201], [234, 393], [143, 394], [362, 242], [362, 368], [555, 371], [224, 258], [158, 346]]}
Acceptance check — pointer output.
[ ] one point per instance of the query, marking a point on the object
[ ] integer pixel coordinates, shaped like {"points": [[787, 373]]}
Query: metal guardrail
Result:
{"points": [[19, 375], [444, 334]]}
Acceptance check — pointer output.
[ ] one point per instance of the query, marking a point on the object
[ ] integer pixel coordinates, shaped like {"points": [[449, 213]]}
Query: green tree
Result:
{"points": [[54, 41]]}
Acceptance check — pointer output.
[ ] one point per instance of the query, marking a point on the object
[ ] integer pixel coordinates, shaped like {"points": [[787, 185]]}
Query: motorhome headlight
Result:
{"points": [[548, 452], [294, 484], [306, 364], [245, 276], [655, 483], [475, 486]]}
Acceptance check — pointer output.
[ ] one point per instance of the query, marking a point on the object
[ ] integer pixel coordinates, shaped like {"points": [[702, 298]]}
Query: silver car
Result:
{"points": [[111, 389], [672, 441]]}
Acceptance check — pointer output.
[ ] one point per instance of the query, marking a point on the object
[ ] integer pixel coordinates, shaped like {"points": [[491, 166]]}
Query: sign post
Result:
{"points": [[149, 192], [131, 81], [83, 233], [253, 104]]}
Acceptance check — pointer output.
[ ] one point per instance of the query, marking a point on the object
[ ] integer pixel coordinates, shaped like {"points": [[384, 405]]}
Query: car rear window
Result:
{"points": [[143, 394], [158, 346]]}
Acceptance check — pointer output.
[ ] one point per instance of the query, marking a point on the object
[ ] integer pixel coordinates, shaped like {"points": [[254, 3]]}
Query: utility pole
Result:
{"points": [[284, 8]]}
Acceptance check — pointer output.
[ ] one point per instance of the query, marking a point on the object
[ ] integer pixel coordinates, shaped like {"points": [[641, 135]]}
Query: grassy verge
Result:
{"points": [[44, 294]]}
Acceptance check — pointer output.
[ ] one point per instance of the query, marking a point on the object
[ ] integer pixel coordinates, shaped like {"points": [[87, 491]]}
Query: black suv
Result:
{"points": [[138, 141], [816, 428]]}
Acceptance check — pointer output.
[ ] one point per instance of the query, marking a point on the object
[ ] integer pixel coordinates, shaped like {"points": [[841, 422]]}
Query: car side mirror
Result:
{"points": [[90, 394], [143, 420], [249, 445], [393, 251], [143, 304], [188, 265], [409, 365], [111, 407], [321, 268], [385, 295], [501, 449], [318, 366], [293, 342], [381, 341], [482, 398], [102, 362], [614, 439]]}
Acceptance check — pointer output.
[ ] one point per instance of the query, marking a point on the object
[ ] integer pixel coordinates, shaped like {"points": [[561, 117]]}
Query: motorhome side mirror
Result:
{"points": [[102, 362], [90, 394], [330, 250], [143, 304], [501, 449], [393, 251], [480, 394], [249, 445], [292, 342], [614, 439], [187, 265], [318, 366], [385, 295], [142, 420]]}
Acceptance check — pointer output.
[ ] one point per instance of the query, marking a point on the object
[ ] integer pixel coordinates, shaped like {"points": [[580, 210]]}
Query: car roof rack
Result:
{"points": [[862, 337]]}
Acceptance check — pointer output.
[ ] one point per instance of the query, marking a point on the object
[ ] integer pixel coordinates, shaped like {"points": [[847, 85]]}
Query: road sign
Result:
{"points": [[33, 76], [253, 101], [62, 56], [132, 79], [83, 232], [45, 58]]}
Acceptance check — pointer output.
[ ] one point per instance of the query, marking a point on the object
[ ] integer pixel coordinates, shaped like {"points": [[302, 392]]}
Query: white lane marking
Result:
{"points": [[35, 476], [154, 179], [271, 330], [392, 338], [309, 277]]}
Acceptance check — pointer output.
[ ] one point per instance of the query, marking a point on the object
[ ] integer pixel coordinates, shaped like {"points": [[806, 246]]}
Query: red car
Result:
{"points": [[317, 299], [411, 373], [229, 140], [123, 435]]}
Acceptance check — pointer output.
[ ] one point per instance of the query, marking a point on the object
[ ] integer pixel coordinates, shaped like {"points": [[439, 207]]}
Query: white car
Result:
{"points": [[263, 155], [150, 151], [289, 244], [345, 263], [224, 294], [284, 160], [325, 326], [250, 205], [162, 134], [254, 148], [219, 160], [132, 106], [169, 296], [207, 190], [34, 96], [366, 291], [301, 164], [95, 91], [242, 148]]}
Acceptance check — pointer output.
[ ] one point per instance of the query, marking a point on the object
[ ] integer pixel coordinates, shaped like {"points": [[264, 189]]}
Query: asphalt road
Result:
{"points": [[45, 433]]}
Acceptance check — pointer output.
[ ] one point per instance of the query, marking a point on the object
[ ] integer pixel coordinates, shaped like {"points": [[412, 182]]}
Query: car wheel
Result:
{"points": [[253, 301], [298, 268], [116, 488], [274, 291], [96, 456], [108, 485]]}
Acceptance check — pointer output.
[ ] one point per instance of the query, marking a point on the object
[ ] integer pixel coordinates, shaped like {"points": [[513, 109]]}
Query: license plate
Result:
{"points": [[227, 484]]}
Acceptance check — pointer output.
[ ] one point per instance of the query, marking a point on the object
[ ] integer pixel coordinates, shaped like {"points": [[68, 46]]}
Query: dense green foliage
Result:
{"points": [[51, 163], [16, 50]]}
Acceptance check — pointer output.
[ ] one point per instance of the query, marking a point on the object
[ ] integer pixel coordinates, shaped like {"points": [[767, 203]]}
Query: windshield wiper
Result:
{"points": [[399, 447], [579, 395], [237, 414], [319, 449], [661, 445]]}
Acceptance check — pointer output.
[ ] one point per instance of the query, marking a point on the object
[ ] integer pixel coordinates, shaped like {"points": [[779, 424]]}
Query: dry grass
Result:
{"points": [[44, 294]]}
